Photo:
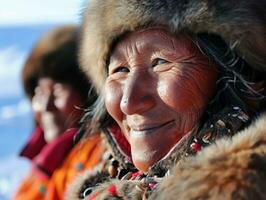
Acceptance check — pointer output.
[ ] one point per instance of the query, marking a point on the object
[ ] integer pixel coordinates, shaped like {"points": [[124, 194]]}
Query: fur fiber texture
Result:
{"points": [[73, 191], [241, 23], [229, 169], [88, 179]]}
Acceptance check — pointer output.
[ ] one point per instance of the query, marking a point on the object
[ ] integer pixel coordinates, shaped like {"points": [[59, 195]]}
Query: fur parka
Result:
{"points": [[229, 169]]}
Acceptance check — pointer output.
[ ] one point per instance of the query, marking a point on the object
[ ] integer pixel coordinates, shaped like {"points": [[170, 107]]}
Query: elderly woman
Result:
{"points": [[176, 76]]}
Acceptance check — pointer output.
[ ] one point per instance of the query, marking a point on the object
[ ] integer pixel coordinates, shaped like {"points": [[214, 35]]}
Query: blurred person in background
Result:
{"points": [[58, 92]]}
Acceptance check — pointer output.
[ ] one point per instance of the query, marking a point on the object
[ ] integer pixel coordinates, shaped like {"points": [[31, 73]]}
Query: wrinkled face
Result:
{"points": [[157, 88], [55, 104]]}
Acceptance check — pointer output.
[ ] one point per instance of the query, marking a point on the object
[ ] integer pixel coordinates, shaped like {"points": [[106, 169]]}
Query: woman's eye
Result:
{"points": [[121, 69], [158, 61]]}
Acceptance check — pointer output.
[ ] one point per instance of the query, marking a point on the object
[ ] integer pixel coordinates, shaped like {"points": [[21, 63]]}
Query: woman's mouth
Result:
{"points": [[148, 130]]}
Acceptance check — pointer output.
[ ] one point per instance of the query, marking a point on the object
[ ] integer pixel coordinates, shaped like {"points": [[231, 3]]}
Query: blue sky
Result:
{"points": [[22, 12], [21, 24]]}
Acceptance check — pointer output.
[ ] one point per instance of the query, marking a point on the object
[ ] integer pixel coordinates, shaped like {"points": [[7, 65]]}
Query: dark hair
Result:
{"points": [[236, 78]]}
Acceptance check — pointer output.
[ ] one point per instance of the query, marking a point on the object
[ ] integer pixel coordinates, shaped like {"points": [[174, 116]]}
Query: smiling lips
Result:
{"points": [[149, 129]]}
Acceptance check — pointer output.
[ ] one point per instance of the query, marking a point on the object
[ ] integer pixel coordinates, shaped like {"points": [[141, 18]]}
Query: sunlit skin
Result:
{"points": [[157, 88], [55, 106]]}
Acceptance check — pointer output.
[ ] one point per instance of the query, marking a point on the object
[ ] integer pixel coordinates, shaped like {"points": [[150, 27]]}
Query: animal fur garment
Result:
{"points": [[229, 169]]}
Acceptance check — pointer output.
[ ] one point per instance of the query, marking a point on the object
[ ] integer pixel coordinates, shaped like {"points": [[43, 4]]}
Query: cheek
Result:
{"points": [[38, 103], [68, 103], [174, 92], [187, 91], [113, 95], [62, 104]]}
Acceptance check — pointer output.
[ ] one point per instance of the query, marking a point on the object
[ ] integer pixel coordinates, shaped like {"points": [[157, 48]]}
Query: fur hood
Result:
{"points": [[229, 169], [241, 24], [55, 56]]}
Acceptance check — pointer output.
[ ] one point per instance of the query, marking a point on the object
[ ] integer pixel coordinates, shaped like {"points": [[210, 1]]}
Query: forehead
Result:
{"points": [[46, 82], [151, 39]]}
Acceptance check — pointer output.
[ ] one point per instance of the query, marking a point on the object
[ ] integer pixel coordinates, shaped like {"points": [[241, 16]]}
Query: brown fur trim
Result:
{"points": [[73, 190], [240, 23], [230, 169], [88, 179], [127, 189]]}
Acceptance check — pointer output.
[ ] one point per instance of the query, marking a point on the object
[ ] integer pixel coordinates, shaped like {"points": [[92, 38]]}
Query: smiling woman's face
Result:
{"points": [[157, 88], [55, 106]]}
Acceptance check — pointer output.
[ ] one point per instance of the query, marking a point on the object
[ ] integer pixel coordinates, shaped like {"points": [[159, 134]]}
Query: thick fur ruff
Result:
{"points": [[91, 177], [124, 188], [230, 169], [241, 23], [74, 189]]}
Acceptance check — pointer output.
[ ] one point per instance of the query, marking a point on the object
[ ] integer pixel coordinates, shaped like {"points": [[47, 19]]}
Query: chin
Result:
{"points": [[144, 160], [51, 135], [143, 165]]}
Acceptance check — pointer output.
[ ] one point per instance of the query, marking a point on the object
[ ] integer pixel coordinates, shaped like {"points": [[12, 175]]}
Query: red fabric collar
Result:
{"points": [[53, 154], [121, 141], [34, 144]]}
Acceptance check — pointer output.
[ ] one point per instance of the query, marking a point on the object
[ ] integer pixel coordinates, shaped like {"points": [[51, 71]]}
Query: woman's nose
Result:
{"points": [[49, 104], [43, 102], [138, 95]]}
